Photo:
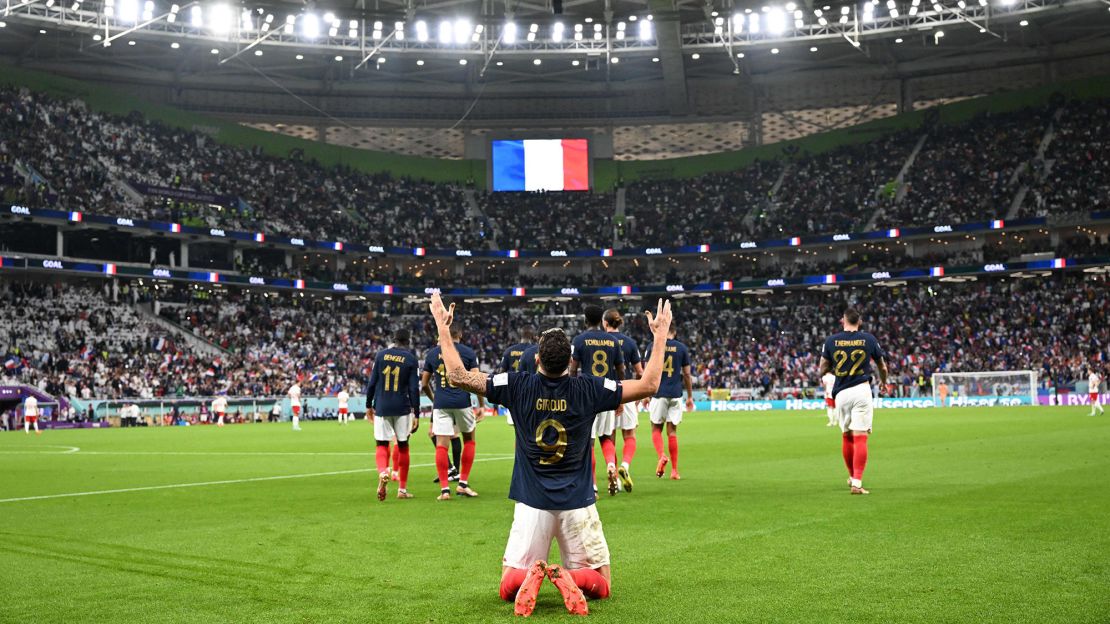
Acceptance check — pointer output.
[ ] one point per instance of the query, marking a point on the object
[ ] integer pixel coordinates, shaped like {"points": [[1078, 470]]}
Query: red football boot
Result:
{"points": [[529, 589], [573, 597]]}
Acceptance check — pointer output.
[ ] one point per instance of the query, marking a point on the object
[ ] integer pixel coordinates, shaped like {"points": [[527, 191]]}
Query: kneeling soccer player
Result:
{"points": [[551, 482], [393, 404]]}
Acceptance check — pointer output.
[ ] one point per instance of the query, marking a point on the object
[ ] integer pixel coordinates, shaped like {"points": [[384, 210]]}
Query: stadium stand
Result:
{"points": [[58, 153], [766, 343]]}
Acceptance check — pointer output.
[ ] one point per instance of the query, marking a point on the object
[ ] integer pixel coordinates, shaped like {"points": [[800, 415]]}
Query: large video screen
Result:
{"points": [[541, 165]]}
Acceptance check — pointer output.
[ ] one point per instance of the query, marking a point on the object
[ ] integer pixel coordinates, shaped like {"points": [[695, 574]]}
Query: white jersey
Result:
{"points": [[343, 397], [31, 406], [219, 405], [295, 395], [276, 409], [1093, 381], [828, 380]]}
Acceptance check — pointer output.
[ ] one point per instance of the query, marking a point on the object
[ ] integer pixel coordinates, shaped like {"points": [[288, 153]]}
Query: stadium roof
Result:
{"points": [[650, 59]]}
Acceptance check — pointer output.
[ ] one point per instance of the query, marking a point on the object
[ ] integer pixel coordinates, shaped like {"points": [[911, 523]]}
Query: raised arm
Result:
{"points": [[473, 382], [648, 385]]}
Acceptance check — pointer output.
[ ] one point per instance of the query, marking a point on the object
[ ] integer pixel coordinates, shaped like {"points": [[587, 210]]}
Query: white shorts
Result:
{"points": [[388, 427], [628, 416], [604, 424], [509, 417], [449, 422], [855, 408], [665, 410], [578, 531]]}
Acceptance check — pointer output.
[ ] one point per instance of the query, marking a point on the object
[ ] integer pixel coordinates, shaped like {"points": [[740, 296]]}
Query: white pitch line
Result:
{"points": [[224, 482], [67, 451]]}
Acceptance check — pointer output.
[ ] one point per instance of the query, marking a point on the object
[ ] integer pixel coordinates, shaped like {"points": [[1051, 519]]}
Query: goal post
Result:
{"points": [[985, 388]]}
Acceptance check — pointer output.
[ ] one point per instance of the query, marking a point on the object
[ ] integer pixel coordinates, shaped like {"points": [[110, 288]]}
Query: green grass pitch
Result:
{"points": [[976, 515]]}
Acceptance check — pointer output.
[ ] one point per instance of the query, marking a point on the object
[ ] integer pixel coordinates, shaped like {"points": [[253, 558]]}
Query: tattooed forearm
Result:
{"points": [[468, 380]]}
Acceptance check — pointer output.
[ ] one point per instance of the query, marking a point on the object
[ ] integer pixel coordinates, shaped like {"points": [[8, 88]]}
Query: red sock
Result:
{"points": [[609, 451], [443, 465], [859, 454], [847, 450], [591, 582], [381, 456], [629, 450], [511, 580], [396, 456], [402, 464], [657, 441], [672, 442], [467, 461]]}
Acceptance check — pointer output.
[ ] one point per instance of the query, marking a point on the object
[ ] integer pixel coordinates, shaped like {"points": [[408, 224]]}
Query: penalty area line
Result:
{"points": [[171, 486]]}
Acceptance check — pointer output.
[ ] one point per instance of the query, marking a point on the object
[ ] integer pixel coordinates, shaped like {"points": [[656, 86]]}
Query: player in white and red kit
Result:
{"points": [[219, 408], [1093, 382], [31, 415], [829, 380], [295, 404], [343, 397]]}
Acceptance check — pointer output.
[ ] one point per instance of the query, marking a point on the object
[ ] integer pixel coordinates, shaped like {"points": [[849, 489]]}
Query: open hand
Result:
{"points": [[443, 315], [660, 324]]}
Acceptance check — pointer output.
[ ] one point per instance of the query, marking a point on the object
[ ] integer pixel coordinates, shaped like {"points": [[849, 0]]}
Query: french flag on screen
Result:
{"points": [[109, 269], [298, 283], [514, 253], [1059, 263], [607, 253], [794, 242], [541, 165], [75, 216], [726, 285], [387, 289], [626, 290], [518, 292], [259, 237], [936, 271], [175, 228], [998, 224]]}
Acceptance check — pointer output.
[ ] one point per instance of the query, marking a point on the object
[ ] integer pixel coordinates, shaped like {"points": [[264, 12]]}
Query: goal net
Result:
{"points": [[985, 388]]}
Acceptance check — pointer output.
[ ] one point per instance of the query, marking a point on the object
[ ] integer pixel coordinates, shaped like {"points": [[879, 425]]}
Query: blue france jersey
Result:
{"points": [[394, 388], [511, 361], [597, 354], [676, 357], [554, 421], [528, 360], [446, 395], [850, 355], [630, 352]]}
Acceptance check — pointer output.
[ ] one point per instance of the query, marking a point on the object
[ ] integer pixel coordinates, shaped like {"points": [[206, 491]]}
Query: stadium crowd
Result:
{"points": [[61, 154], [93, 347]]}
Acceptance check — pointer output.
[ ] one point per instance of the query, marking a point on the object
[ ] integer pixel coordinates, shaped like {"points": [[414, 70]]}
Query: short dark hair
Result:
{"points": [[593, 315], [401, 337], [852, 316], [554, 351], [613, 318], [528, 335], [456, 332]]}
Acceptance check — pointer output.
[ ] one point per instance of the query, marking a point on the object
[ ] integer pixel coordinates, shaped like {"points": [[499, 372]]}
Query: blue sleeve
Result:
{"points": [[372, 386], [827, 351], [606, 394], [497, 389], [429, 367], [471, 360], [504, 366], [414, 386], [576, 348], [877, 352], [685, 355], [618, 359], [634, 352]]}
